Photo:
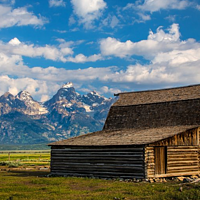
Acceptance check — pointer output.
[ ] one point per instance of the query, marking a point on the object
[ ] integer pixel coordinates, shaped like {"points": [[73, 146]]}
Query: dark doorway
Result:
{"points": [[160, 160]]}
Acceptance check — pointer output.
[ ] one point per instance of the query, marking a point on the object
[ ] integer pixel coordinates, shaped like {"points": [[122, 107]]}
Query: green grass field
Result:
{"points": [[21, 184], [25, 158], [34, 186]]}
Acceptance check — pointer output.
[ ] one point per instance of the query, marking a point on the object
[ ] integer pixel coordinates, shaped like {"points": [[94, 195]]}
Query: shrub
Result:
{"points": [[10, 163]]}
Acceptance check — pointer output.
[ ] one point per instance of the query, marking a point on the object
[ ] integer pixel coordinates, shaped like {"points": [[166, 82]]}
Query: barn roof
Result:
{"points": [[125, 136], [157, 96]]}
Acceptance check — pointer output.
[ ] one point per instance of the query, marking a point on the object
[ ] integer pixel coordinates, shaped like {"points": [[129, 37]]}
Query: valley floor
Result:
{"points": [[36, 185], [25, 176]]}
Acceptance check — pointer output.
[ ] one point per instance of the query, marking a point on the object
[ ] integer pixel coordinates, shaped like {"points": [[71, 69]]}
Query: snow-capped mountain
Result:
{"points": [[66, 114], [32, 106]]}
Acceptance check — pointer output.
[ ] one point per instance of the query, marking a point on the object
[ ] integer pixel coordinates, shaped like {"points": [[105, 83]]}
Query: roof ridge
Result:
{"points": [[161, 89]]}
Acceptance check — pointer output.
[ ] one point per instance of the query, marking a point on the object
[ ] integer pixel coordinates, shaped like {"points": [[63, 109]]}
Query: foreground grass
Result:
{"points": [[33, 185]]}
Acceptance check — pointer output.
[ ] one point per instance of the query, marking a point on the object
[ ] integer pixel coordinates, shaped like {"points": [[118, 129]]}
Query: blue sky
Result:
{"points": [[110, 46]]}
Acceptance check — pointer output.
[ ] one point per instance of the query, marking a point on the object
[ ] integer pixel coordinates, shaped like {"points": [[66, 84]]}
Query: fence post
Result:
{"points": [[8, 156]]}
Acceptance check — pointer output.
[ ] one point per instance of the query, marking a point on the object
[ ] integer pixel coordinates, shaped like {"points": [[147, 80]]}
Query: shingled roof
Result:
{"points": [[145, 117], [156, 96], [125, 136]]}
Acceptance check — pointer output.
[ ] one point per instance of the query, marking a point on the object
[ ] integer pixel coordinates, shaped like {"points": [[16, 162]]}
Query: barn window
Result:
{"points": [[160, 160]]}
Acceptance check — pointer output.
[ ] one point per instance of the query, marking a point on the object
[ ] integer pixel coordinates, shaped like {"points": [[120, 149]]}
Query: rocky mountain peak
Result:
{"points": [[67, 85], [65, 93], [7, 94], [32, 107], [93, 97], [7, 98], [24, 96]]}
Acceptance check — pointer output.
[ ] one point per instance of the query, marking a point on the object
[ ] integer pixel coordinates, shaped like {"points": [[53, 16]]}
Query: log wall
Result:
{"points": [[182, 159], [99, 162], [149, 162]]}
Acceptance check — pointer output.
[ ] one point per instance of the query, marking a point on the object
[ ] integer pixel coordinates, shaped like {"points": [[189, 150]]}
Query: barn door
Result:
{"points": [[160, 160]]}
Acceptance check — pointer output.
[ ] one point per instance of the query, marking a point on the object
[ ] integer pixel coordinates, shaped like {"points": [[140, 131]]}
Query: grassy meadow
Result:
{"points": [[33, 185], [21, 182], [25, 158]]}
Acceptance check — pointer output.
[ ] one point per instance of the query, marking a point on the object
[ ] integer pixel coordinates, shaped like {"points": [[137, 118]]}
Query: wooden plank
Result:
{"points": [[160, 160], [96, 159], [99, 162], [100, 149], [183, 150], [182, 162], [182, 156], [182, 168], [175, 174], [94, 156], [180, 147]]}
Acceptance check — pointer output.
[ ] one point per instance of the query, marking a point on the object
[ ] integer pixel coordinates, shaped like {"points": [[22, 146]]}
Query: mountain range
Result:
{"points": [[25, 121]]}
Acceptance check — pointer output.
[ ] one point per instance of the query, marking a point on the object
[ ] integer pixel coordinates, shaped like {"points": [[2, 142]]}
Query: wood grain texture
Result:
{"points": [[99, 162]]}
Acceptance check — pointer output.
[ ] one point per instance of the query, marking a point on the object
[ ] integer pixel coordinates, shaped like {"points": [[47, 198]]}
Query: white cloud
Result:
{"points": [[155, 43], [44, 82], [198, 7], [171, 18], [106, 89], [172, 61], [8, 2], [156, 5], [56, 3], [88, 11], [62, 52], [30, 50], [80, 58], [114, 21], [144, 17], [37, 88], [19, 17], [110, 21], [141, 8]]}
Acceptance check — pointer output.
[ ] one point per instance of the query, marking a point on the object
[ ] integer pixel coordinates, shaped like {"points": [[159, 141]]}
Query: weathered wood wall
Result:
{"points": [[99, 162], [188, 138], [199, 146], [182, 159], [149, 162]]}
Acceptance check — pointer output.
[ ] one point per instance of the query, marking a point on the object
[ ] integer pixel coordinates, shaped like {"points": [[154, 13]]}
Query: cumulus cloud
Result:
{"points": [[42, 83], [62, 52], [37, 88], [106, 89], [56, 3], [19, 17], [16, 47], [159, 42], [172, 61], [80, 58], [88, 11]]}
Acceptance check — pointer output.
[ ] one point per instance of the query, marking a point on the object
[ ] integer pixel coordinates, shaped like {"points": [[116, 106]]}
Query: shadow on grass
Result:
{"points": [[26, 173]]}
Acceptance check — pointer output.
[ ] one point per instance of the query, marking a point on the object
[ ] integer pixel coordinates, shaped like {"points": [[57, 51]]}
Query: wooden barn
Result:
{"points": [[147, 134]]}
